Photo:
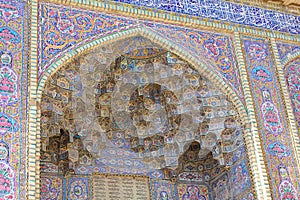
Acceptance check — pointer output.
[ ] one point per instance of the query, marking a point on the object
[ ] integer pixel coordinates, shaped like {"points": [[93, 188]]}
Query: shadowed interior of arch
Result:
{"points": [[133, 107]]}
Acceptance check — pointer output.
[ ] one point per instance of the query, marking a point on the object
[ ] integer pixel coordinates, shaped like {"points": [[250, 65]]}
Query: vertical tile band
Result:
{"points": [[253, 145], [284, 92], [32, 143]]}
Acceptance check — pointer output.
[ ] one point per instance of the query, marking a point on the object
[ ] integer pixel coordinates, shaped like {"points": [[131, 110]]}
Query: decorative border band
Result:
{"points": [[187, 20]]}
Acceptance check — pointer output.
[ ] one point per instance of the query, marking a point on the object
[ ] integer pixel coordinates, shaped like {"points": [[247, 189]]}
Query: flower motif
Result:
{"points": [[257, 52]]}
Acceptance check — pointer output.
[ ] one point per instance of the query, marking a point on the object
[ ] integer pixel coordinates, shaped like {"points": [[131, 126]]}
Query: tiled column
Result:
{"points": [[252, 136], [32, 166], [288, 104], [272, 120]]}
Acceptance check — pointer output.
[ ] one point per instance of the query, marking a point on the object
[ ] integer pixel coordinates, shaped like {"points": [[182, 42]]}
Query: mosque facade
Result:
{"points": [[150, 99]]}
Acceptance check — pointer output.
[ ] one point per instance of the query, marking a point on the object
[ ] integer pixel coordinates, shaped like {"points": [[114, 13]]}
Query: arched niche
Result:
{"points": [[163, 46]]}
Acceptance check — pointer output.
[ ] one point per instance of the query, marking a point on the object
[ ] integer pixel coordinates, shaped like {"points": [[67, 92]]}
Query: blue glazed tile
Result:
{"points": [[290, 19], [269, 14], [227, 11], [223, 15]]}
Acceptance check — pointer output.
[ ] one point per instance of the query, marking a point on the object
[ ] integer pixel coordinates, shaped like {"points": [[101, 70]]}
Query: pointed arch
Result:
{"points": [[290, 58], [286, 65], [204, 69], [184, 53]]}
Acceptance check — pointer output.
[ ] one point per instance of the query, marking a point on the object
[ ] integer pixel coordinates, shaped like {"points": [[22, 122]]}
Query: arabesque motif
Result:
{"points": [[7, 181], [215, 50], [13, 88], [162, 190], [4, 152], [78, 188], [292, 71], [8, 81], [220, 187], [51, 188], [273, 120], [285, 50], [270, 114], [189, 191], [287, 190], [63, 28], [240, 178]]}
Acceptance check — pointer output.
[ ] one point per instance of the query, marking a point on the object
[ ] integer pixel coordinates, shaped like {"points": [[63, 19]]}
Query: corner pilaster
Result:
{"points": [[284, 92], [252, 134], [32, 186]]}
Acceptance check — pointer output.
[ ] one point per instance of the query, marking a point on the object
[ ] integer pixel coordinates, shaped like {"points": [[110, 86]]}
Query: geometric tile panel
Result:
{"points": [[78, 188], [51, 187], [162, 190]]}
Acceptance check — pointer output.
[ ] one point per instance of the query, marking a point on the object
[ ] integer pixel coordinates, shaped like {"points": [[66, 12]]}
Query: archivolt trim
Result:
{"points": [[290, 58], [280, 68], [252, 137]]}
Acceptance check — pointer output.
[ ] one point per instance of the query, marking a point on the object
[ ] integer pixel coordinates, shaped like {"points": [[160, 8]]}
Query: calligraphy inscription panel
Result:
{"points": [[116, 187]]}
